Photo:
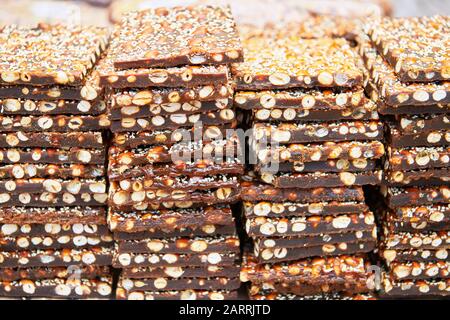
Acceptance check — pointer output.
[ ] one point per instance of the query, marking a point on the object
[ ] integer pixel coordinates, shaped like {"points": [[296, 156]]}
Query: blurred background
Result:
{"points": [[105, 12]]}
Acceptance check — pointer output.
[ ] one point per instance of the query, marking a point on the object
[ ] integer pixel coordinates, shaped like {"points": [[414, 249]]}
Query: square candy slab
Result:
{"points": [[164, 37], [416, 48], [49, 54]]}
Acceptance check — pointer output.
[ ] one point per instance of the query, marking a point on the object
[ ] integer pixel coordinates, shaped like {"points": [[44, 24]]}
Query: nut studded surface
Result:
{"points": [[396, 93], [89, 90], [53, 142], [416, 48], [169, 77], [408, 62], [174, 164], [97, 288], [177, 36], [315, 140], [299, 99], [47, 55], [289, 62]]}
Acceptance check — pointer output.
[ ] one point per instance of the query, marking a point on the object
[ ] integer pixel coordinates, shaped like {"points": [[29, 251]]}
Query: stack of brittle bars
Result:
{"points": [[408, 62], [172, 168], [54, 239], [316, 141]]}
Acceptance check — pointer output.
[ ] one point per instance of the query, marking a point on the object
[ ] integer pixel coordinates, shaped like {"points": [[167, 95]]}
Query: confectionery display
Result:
{"points": [[408, 64], [316, 139], [224, 150], [174, 163]]}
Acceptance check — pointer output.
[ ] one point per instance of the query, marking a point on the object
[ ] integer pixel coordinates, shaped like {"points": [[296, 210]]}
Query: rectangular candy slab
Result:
{"points": [[365, 112], [273, 255], [414, 289], [273, 62], [311, 132], [418, 219], [196, 199], [57, 258], [308, 26], [46, 199], [312, 241], [86, 272], [319, 152], [59, 107], [402, 109], [49, 54], [174, 77], [59, 288], [166, 37], [55, 186], [423, 123], [322, 179], [420, 240], [131, 201], [292, 209], [169, 219], [54, 243], [414, 255], [188, 97], [133, 140], [269, 296], [309, 226], [176, 260], [414, 47], [310, 288], [416, 196], [62, 215], [173, 184], [432, 217], [385, 109], [61, 171], [329, 166], [182, 272], [51, 140], [205, 230], [252, 192], [89, 91], [118, 112], [426, 177], [181, 245], [55, 229], [174, 121], [398, 139], [319, 26], [430, 213], [338, 267], [418, 158], [217, 150], [122, 294], [170, 284], [419, 271], [396, 93], [59, 123], [301, 100], [197, 169], [52, 156]]}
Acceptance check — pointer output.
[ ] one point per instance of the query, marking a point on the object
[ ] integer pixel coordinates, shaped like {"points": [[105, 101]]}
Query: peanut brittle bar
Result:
{"points": [[177, 36], [49, 54]]}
